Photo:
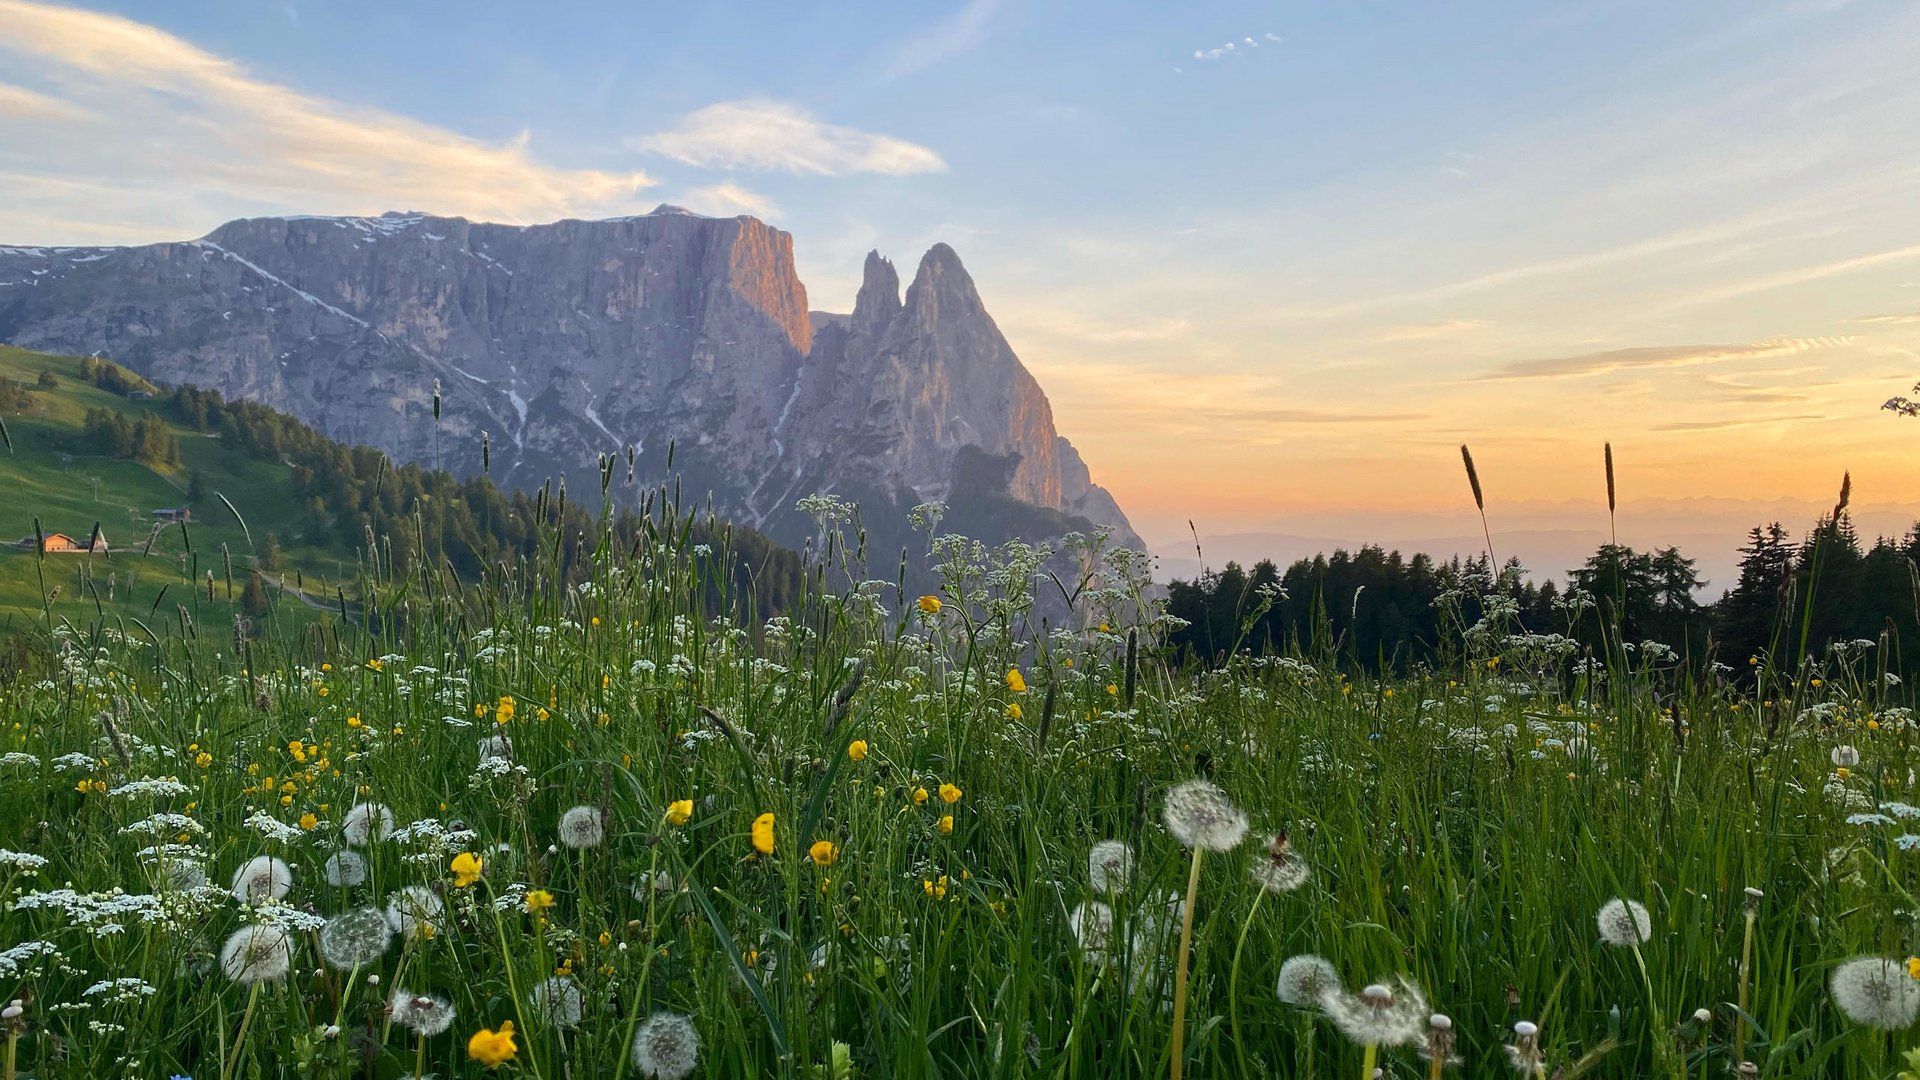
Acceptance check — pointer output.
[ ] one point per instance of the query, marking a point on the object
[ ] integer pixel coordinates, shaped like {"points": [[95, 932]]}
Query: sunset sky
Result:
{"points": [[1272, 262]]}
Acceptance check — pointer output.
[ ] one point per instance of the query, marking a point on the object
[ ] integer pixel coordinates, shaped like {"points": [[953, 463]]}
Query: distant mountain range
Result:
{"points": [[576, 339]]}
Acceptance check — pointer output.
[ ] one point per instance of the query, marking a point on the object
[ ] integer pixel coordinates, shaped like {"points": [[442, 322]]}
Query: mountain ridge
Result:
{"points": [[557, 343]]}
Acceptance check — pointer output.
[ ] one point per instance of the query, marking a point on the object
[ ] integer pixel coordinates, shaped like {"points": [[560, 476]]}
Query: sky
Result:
{"points": [[1272, 262]]}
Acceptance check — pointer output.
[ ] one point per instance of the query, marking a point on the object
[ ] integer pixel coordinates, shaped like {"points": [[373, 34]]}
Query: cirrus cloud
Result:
{"points": [[181, 138], [775, 136]]}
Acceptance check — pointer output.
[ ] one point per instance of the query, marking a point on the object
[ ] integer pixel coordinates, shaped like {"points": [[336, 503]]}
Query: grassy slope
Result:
{"points": [[49, 475]]}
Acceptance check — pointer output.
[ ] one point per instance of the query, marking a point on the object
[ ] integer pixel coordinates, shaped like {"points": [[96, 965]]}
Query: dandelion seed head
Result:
{"points": [[1304, 979], [1845, 757], [413, 907], [1876, 992], [260, 879], [666, 1047], [344, 869], [1109, 866], [1092, 926], [354, 938], [423, 1014], [1200, 815], [1379, 1015], [367, 823], [1624, 923], [258, 953], [581, 827], [183, 875], [1281, 871], [560, 1001]]}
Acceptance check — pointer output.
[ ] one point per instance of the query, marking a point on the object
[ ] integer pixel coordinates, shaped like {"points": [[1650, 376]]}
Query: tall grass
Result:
{"points": [[1463, 827]]}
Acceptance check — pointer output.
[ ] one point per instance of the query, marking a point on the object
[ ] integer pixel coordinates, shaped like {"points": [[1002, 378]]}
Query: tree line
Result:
{"points": [[1383, 611]]}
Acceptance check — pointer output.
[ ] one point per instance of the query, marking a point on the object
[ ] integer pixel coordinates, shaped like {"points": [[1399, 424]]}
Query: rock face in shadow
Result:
{"points": [[575, 339]]}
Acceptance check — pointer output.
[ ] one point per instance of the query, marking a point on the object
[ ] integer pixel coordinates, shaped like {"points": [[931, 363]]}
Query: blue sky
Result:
{"points": [[1270, 287]]}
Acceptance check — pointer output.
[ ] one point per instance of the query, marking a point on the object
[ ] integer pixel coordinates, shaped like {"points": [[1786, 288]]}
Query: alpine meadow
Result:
{"points": [[1393, 557]]}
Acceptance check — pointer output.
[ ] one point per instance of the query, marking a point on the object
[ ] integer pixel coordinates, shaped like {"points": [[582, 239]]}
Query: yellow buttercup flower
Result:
{"points": [[1015, 681], [930, 605], [919, 795], [679, 812], [466, 869], [308, 821], [946, 825], [763, 834], [824, 852], [1913, 967], [1013, 711], [493, 1048], [950, 794], [376, 665], [538, 900], [857, 749]]}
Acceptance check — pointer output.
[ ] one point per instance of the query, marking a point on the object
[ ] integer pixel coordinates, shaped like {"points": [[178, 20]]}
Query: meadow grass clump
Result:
{"points": [[596, 813]]}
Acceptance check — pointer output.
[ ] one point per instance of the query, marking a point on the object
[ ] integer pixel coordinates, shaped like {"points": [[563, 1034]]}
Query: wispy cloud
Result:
{"points": [[1236, 47], [18, 102], [186, 133], [1734, 422], [1439, 328], [725, 199], [760, 134], [1657, 356], [950, 36], [1910, 317]]}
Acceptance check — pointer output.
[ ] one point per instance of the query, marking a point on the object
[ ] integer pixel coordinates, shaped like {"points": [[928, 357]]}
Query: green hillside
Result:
{"points": [[54, 473]]}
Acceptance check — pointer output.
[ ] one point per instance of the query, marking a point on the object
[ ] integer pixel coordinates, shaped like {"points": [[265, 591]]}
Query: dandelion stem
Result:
{"points": [[239, 1039], [1368, 1059], [1233, 981], [1180, 967], [1746, 970]]}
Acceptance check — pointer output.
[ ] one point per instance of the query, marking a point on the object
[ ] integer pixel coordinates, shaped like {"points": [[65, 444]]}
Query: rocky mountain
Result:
{"points": [[566, 341]]}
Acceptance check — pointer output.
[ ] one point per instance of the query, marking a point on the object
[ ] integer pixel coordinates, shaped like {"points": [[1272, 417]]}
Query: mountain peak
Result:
{"points": [[944, 283], [879, 298]]}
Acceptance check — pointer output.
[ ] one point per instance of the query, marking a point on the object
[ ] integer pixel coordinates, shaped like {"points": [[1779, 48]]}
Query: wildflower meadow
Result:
{"points": [[607, 820]]}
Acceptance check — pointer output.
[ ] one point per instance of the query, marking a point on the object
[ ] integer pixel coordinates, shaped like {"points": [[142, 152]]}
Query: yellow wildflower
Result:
{"points": [[375, 665], [946, 825], [824, 852], [308, 821], [1913, 967], [1015, 681], [466, 869], [679, 812], [930, 605], [538, 901], [857, 749], [919, 795], [1013, 711], [493, 1048], [950, 794], [763, 834]]}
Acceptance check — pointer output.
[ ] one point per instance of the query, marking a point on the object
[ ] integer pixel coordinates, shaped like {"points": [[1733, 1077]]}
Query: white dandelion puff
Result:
{"points": [[1092, 926], [559, 1000], [1845, 757], [182, 875], [1379, 1015], [1281, 871], [259, 953], [1624, 923], [421, 1013], [412, 908], [260, 879], [1876, 992], [582, 827], [1305, 979], [367, 823], [1201, 816], [357, 937], [344, 869], [495, 746], [1109, 866], [666, 1047]]}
